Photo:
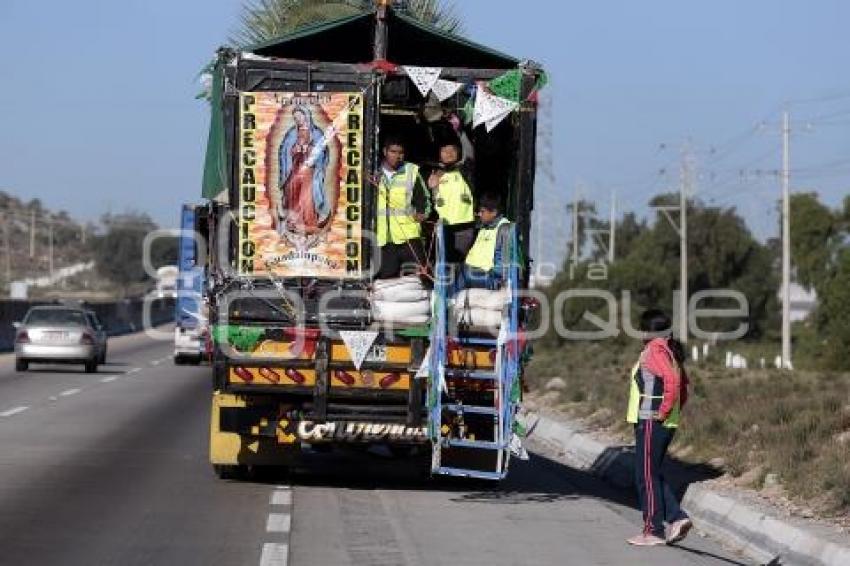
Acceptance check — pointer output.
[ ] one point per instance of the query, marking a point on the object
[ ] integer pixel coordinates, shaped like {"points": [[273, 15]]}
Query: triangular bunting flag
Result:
{"points": [[445, 89], [358, 343], [423, 77], [491, 110]]}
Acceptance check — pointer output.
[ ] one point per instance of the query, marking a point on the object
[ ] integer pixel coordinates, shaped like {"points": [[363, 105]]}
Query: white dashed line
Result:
{"points": [[134, 370], [109, 379], [69, 392], [279, 523], [274, 554], [281, 498], [277, 553], [155, 362], [14, 411]]}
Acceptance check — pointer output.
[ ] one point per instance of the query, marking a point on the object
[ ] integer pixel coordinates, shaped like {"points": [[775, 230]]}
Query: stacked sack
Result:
{"points": [[401, 301], [480, 310]]}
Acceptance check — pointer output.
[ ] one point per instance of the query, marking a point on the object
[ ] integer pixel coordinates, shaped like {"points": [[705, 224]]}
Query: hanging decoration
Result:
{"points": [[490, 109], [508, 85], [359, 343], [423, 77], [445, 89]]}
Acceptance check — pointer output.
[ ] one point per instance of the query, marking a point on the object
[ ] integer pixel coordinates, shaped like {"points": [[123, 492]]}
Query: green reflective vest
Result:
{"points": [[396, 222], [483, 251], [637, 398], [454, 199]]}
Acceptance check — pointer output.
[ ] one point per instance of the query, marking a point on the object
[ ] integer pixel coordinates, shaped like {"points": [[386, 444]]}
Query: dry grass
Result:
{"points": [[759, 422]]}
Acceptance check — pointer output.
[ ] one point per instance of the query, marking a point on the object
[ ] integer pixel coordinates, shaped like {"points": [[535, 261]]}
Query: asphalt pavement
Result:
{"points": [[112, 468]]}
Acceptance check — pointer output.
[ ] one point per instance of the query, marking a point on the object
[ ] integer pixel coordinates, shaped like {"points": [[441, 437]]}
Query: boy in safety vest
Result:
{"points": [[487, 263], [402, 205], [452, 197], [658, 391]]}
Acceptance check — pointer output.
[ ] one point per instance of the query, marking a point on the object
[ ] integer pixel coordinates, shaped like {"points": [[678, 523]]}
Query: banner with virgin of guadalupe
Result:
{"points": [[300, 181]]}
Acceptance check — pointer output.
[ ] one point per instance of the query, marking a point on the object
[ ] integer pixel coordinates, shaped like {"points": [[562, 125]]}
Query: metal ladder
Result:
{"points": [[504, 376]]}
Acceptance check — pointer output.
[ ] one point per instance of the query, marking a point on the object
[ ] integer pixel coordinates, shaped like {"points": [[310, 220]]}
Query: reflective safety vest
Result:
{"points": [[483, 252], [396, 223], [454, 199], [645, 396]]}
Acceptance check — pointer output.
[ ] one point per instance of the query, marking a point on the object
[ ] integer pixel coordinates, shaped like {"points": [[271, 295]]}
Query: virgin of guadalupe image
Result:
{"points": [[305, 205]]}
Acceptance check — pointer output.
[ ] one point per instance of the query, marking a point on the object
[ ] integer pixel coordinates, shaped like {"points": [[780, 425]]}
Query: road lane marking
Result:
{"points": [[281, 498], [109, 379], [134, 370], [274, 554], [155, 362], [279, 523], [69, 392], [14, 411]]}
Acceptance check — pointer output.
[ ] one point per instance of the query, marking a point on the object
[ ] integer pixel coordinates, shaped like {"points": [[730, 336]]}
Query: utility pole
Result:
{"points": [[8, 250], [686, 181], [786, 240], [684, 186], [576, 200], [612, 233], [50, 244], [32, 233]]}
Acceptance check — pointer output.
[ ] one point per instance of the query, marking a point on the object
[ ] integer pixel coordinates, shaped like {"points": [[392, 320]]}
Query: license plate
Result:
{"points": [[378, 353], [55, 336]]}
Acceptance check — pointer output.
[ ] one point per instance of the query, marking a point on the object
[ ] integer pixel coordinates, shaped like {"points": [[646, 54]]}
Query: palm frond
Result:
{"points": [[264, 20]]}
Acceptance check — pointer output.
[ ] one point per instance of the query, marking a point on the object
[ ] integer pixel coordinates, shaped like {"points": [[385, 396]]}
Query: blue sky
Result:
{"points": [[98, 109]]}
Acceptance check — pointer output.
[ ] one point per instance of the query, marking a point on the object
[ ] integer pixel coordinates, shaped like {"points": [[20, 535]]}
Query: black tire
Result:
{"points": [[91, 366], [196, 360], [230, 472], [179, 360], [21, 365]]}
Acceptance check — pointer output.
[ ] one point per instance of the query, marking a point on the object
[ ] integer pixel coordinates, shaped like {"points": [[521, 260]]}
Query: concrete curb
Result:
{"points": [[739, 525]]}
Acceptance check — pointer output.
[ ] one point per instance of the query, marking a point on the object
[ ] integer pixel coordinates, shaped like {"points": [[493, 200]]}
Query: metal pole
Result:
{"points": [[786, 240], [50, 240], [576, 197], [683, 247], [381, 32], [32, 233], [8, 250], [612, 233]]}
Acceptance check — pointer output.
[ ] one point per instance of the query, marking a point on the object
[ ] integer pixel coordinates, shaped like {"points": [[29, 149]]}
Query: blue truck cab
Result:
{"points": [[191, 329]]}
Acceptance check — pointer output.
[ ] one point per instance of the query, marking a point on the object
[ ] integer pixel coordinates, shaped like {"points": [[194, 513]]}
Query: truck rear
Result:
{"points": [[309, 348]]}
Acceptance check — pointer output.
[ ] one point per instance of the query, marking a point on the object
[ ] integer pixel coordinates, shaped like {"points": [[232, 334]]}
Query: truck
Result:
{"points": [[191, 336], [302, 355], [166, 281]]}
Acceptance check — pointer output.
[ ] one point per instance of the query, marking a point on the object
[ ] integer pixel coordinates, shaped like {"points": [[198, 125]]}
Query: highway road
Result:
{"points": [[112, 468]]}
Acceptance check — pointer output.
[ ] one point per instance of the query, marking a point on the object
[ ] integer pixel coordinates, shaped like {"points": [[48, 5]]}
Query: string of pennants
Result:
{"points": [[489, 103]]}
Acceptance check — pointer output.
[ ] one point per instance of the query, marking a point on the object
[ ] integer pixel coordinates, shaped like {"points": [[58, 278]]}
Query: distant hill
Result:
{"points": [[25, 241]]}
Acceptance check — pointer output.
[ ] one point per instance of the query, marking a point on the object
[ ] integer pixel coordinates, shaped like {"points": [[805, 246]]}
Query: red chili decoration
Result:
{"points": [[244, 374], [389, 380], [345, 377], [270, 374], [296, 376]]}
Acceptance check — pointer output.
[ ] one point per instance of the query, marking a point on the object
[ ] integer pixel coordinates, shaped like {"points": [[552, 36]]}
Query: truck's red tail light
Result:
{"points": [[244, 374], [270, 374], [345, 377], [296, 376], [390, 380], [87, 339], [23, 337]]}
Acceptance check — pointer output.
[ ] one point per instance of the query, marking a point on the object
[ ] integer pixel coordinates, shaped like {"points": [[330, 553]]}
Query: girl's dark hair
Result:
{"points": [[490, 201], [654, 321]]}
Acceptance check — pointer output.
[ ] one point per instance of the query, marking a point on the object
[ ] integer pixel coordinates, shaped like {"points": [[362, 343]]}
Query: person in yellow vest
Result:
{"points": [[452, 197], [403, 204], [486, 265], [658, 391]]}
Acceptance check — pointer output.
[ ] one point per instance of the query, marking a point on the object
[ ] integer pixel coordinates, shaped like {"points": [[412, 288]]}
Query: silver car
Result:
{"points": [[56, 334]]}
